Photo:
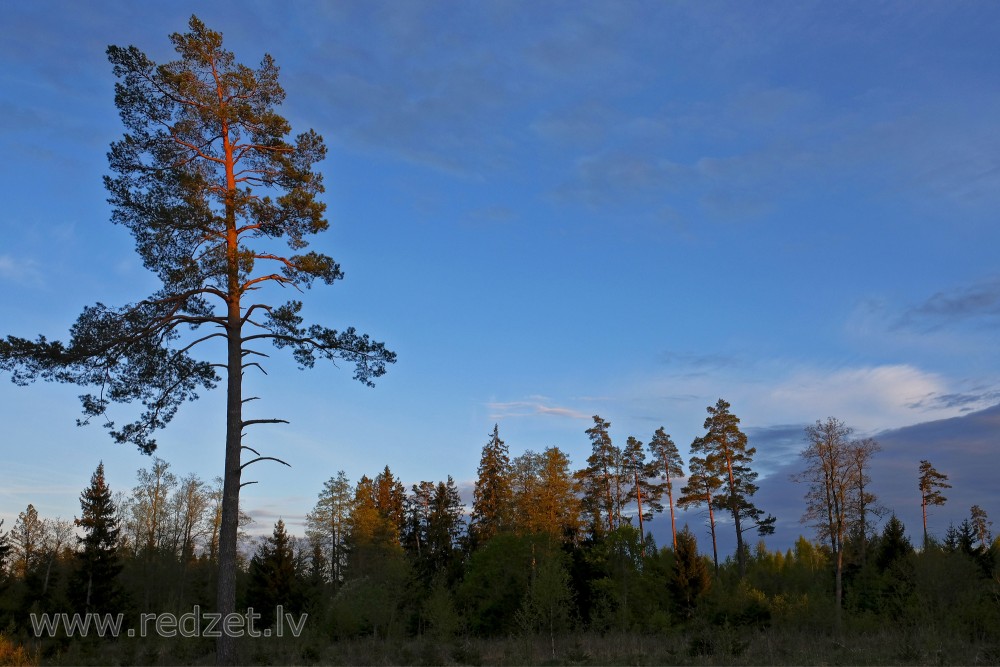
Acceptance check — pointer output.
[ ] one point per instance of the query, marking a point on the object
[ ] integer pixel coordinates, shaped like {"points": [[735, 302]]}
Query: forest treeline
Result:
{"points": [[546, 552]]}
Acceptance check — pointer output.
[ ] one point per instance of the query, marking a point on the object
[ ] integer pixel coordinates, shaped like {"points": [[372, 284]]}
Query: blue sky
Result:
{"points": [[556, 210]]}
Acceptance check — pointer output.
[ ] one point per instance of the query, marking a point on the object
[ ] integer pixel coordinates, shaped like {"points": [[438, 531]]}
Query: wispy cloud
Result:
{"points": [[490, 216], [23, 271], [533, 406], [868, 397], [964, 401], [979, 300], [701, 362]]}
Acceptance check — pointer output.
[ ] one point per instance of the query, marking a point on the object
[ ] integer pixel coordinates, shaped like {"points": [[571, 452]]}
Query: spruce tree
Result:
{"points": [[273, 577], [894, 545], [435, 528], [390, 499], [690, 579], [96, 585], [492, 505]]}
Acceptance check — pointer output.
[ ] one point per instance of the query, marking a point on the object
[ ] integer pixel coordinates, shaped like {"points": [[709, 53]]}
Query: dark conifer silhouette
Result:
{"points": [[95, 584]]}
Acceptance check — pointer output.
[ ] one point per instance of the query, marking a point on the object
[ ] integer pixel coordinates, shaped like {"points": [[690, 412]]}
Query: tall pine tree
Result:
{"points": [[727, 446], [702, 487], [210, 185], [667, 462], [636, 473], [600, 482], [930, 483]]}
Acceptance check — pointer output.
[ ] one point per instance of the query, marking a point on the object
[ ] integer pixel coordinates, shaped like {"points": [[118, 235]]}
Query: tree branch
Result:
{"points": [[264, 458]]}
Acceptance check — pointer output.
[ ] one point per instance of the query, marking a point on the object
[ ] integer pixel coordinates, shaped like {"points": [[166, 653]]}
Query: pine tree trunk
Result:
{"points": [[225, 648], [735, 509], [923, 509], [226, 594], [638, 497], [673, 519], [711, 522]]}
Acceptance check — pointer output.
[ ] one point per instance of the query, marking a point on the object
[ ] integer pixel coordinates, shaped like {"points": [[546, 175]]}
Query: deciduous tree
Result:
{"points": [[59, 534], [830, 473], [189, 509], [863, 502], [326, 524], [27, 537], [544, 498], [207, 182], [150, 508]]}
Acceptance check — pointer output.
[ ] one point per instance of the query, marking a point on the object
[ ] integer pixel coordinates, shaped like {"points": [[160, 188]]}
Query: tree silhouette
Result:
{"points": [[96, 583], [273, 578]]}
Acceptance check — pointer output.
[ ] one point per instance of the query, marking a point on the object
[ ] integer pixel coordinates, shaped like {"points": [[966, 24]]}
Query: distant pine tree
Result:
{"points": [[930, 483], [669, 466], [600, 482]]}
